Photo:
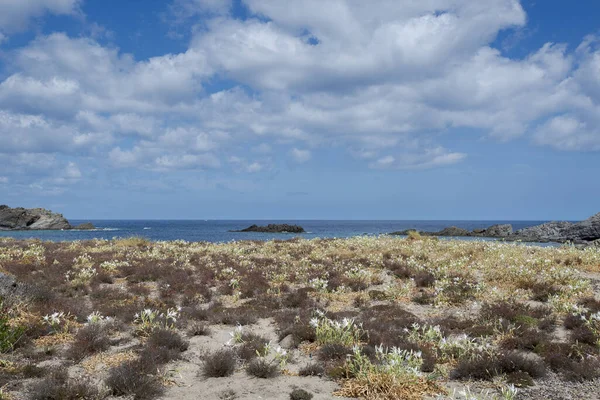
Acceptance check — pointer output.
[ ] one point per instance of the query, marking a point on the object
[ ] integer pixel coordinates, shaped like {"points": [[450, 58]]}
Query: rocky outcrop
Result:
{"points": [[579, 232], [453, 231], [85, 227], [584, 232], [450, 231], [499, 231], [274, 228], [32, 219]]}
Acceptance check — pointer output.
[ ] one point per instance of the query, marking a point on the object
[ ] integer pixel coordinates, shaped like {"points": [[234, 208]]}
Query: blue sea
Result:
{"points": [[218, 231]]}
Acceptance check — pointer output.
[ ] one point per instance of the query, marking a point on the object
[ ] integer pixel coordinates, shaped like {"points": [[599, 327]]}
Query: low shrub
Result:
{"points": [[573, 321], [90, 339], [261, 368], [58, 385], [424, 279], [130, 379], [312, 369], [252, 345], [219, 364], [196, 328], [485, 366], [300, 394], [169, 339], [334, 351]]}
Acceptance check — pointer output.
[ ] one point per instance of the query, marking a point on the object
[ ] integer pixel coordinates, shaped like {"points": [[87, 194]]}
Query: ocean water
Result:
{"points": [[218, 231]]}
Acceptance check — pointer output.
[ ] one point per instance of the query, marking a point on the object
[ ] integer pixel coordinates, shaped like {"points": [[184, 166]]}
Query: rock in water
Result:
{"points": [[85, 227], [274, 228], [31, 219], [499, 231]]}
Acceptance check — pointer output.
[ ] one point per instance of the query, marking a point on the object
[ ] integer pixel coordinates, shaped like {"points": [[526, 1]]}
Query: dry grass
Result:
{"points": [[477, 294], [387, 387]]}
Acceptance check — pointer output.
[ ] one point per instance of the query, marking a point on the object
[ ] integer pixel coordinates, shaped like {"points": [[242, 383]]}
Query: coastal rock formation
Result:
{"points": [[33, 219], [579, 232], [498, 231], [274, 228], [85, 227], [584, 232]]}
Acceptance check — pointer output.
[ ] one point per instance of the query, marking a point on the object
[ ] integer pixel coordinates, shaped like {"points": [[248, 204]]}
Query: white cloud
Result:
{"points": [[16, 15], [3, 179], [382, 81], [300, 156], [429, 158], [567, 132], [182, 9]]}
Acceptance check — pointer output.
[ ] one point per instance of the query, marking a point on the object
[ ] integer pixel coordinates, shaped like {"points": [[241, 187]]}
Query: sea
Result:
{"points": [[219, 230]]}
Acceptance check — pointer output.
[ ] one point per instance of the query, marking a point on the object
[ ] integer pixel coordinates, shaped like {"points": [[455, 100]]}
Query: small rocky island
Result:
{"points": [[274, 228], [584, 232], [25, 219]]}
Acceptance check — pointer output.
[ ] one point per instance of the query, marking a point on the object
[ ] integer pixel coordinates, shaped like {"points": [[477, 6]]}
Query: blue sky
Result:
{"points": [[303, 109]]}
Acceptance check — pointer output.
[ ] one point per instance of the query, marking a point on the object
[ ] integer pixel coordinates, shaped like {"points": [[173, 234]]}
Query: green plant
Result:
{"points": [[148, 320], [9, 335], [346, 333]]}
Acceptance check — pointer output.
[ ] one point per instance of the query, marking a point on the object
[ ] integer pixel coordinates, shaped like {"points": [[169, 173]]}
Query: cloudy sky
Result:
{"points": [[341, 109]]}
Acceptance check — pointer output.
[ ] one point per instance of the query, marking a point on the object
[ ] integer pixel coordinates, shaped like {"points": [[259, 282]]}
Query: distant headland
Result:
{"points": [[25, 219], [584, 232]]}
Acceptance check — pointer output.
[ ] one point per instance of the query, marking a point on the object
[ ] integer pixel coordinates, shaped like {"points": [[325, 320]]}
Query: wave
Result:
{"points": [[146, 228]]}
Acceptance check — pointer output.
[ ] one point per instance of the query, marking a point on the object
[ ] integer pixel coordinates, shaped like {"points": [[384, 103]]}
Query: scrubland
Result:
{"points": [[374, 318]]}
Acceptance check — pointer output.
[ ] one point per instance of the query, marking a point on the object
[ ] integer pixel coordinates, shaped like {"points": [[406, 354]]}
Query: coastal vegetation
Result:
{"points": [[366, 317]]}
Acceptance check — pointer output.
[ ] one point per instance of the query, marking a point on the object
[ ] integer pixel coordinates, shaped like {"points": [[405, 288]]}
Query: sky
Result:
{"points": [[301, 109]]}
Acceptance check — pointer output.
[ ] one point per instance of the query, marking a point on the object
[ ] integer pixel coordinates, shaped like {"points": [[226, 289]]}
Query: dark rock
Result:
{"points": [[588, 230], [451, 231], [274, 228], [584, 232], [579, 232], [85, 227], [31, 219], [550, 231], [499, 231]]}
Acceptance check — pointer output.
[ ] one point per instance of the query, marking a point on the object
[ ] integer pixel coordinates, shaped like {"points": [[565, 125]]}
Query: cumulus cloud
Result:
{"points": [[16, 15], [300, 156], [567, 132], [381, 81]]}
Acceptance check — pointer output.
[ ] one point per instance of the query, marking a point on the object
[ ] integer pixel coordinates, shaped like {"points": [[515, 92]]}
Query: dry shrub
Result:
{"points": [[58, 385], [251, 346], [128, 379], [525, 339], [312, 369], [90, 339], [400, 268], [573, 321], [261, 368], [196, 328], [583, 334], [332, 351], [299, 298], [424, 279], [486, 366], [219, 364], [300, 394], [387, 387]]}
